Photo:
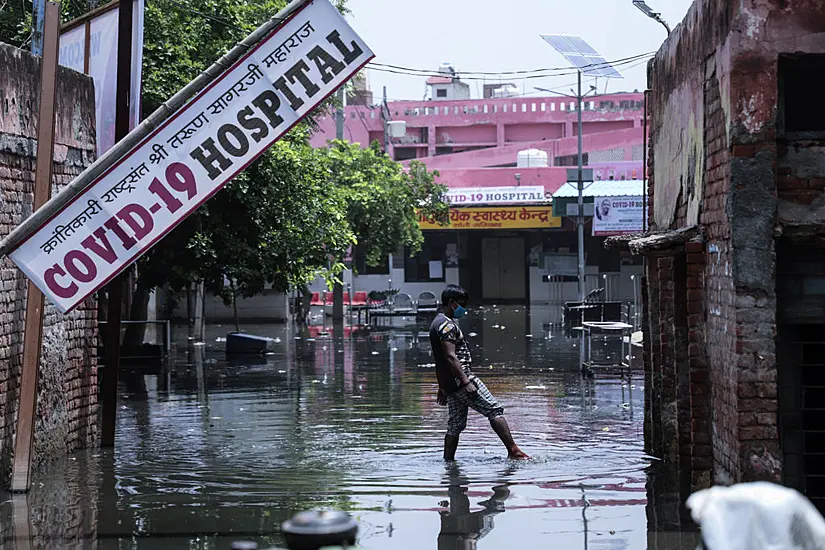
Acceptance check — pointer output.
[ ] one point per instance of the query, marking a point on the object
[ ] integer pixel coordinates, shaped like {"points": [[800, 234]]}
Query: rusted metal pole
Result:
{"points": [[33, 336], [115, 288]]}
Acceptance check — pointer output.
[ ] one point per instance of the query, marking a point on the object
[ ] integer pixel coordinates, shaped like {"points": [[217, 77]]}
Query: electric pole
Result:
{"points": [[338, 289], [580, 180]]}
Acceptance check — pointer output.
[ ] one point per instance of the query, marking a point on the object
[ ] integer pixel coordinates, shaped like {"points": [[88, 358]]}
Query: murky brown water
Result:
{"points": [[223, 451]]}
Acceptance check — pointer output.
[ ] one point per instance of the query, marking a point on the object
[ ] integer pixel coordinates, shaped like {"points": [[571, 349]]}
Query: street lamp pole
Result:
{"points": [[581, 196], [338, 289], [579, 97], [647, 10]]}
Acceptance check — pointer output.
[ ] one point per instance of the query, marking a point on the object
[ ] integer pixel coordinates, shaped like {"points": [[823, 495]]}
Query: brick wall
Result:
{"points": [[67, 389], [714, 84]]}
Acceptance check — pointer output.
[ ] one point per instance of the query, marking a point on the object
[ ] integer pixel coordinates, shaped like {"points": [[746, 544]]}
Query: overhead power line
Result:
{"points": [[428, 72], [565, 71]]}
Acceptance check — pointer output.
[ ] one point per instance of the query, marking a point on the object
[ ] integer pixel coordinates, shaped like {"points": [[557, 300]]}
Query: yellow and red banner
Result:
{"points": [[516, 217]]}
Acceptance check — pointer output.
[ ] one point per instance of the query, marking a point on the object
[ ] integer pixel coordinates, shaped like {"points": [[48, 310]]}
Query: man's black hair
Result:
{"points": [[454, 292]]}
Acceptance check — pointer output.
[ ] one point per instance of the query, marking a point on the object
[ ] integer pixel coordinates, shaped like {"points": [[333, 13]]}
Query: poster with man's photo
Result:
{"points": [[617, 216]]}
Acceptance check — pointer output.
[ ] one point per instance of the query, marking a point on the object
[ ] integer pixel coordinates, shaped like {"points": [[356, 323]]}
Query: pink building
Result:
{"points": [[475, 144]]}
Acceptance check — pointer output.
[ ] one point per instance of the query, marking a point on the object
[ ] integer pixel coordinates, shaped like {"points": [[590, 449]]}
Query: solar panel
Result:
{"points": [[581, 55]]}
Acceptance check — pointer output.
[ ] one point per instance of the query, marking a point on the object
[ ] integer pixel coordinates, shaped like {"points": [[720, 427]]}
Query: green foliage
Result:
{"points": [[16, 19], [382, 199]]}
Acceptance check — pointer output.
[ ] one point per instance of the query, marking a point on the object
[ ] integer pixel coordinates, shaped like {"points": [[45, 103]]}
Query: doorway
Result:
{"points": [[800, 289], [503, 269]]}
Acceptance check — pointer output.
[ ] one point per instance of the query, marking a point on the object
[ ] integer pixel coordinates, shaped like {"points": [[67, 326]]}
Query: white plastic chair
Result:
{"points": [[402, 303], [427, 302]]}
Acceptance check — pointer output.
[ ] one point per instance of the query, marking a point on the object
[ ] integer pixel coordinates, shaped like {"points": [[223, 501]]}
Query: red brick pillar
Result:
{"points": [[653, 376], [667, 395], [759, 451], [667, 364], [701, 464], [682, 371]]}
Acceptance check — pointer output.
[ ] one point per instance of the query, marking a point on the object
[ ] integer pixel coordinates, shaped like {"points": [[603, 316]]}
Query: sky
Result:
{"points": [[500, 36]]}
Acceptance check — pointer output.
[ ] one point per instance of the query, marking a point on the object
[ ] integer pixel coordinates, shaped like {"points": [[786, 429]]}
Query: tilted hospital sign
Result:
{"points": [[192, 155]]}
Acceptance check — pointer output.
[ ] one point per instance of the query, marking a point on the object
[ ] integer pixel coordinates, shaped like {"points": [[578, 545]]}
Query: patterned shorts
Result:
{"points": [[482, 401]]}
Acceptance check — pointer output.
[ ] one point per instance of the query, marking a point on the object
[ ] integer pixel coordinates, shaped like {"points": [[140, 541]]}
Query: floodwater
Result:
{"points": [[225, 450]]}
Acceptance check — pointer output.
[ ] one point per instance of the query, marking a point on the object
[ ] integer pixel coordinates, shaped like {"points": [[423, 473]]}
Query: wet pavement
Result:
{"points": [[227, 450]]}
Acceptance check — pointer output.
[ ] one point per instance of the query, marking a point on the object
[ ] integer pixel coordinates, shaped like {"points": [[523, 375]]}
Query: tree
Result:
{"points": [[383, 200]]}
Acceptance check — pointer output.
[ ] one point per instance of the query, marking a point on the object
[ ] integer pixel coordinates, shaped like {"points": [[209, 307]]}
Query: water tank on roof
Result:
{"points": [[505, 91], [446, 69], [532, 158]]}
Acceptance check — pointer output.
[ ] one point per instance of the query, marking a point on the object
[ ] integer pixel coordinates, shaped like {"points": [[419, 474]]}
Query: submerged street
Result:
{"points": [[227, 450]]}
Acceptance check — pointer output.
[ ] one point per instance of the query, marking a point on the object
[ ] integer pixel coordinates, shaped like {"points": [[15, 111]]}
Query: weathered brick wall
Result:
{"points": [[716, 89], [67, 389], [689, 133], [715, 282]]}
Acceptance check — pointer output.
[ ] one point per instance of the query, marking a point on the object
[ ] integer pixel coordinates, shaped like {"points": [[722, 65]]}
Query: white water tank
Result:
{"points": [[505, 92], [397, 128], [532, 158]]}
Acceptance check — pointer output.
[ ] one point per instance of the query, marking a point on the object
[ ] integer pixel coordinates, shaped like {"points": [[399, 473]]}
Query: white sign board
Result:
{"points": [[617, 216], [192, 155], [573, 209], [102, 55], [496, 195]]}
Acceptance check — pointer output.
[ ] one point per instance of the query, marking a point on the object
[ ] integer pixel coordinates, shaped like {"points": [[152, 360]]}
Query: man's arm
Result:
{"points": [[448, 347]]}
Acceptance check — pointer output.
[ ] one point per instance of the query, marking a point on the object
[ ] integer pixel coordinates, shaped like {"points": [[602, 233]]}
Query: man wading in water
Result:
{"points": [[458, 387]]}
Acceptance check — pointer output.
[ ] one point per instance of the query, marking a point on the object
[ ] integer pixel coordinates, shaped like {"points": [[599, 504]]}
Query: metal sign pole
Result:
{"points": [[115, 288], [33, 336]]}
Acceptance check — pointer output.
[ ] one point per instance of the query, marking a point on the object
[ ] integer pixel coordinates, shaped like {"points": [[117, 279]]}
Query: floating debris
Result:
{"points": [[375, 353], [277, 340], [200, 344], [541, 387], [473, 334], [220, 339], [496, 326], [528, 335], [281, 372]]}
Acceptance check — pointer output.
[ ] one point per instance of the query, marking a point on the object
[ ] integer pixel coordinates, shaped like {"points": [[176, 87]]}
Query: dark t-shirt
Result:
{"points": [[446, 329]]}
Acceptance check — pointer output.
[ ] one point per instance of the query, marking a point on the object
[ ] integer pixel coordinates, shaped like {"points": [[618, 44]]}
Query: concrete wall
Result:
{"points": [[271, 306], [67, 390], [367, 283]]}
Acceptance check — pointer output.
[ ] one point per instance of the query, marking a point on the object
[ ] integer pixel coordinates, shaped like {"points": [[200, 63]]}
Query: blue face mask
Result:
{"points": [[459, 312]]}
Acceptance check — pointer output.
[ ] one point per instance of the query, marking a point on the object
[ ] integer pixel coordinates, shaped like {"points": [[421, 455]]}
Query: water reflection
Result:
{"points": [[462, 528], [345, 417]]}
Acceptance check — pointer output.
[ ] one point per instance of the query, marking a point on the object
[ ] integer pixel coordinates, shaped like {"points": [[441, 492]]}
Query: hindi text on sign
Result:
{"points": [[526, 217]]}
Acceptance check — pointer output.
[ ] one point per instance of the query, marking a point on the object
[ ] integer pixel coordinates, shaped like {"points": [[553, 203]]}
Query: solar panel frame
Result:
{"points": [[582, 55]]}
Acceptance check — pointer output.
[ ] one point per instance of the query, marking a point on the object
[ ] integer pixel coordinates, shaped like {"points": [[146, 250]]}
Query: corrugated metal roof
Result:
{"points": [[604, 188]]}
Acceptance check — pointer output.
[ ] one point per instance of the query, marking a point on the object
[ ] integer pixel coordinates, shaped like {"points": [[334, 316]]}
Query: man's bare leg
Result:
{"points": [[501, 428], [450, 447]]}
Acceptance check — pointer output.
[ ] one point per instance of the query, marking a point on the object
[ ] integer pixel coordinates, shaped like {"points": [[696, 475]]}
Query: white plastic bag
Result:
{"points": [[757, 516]]}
